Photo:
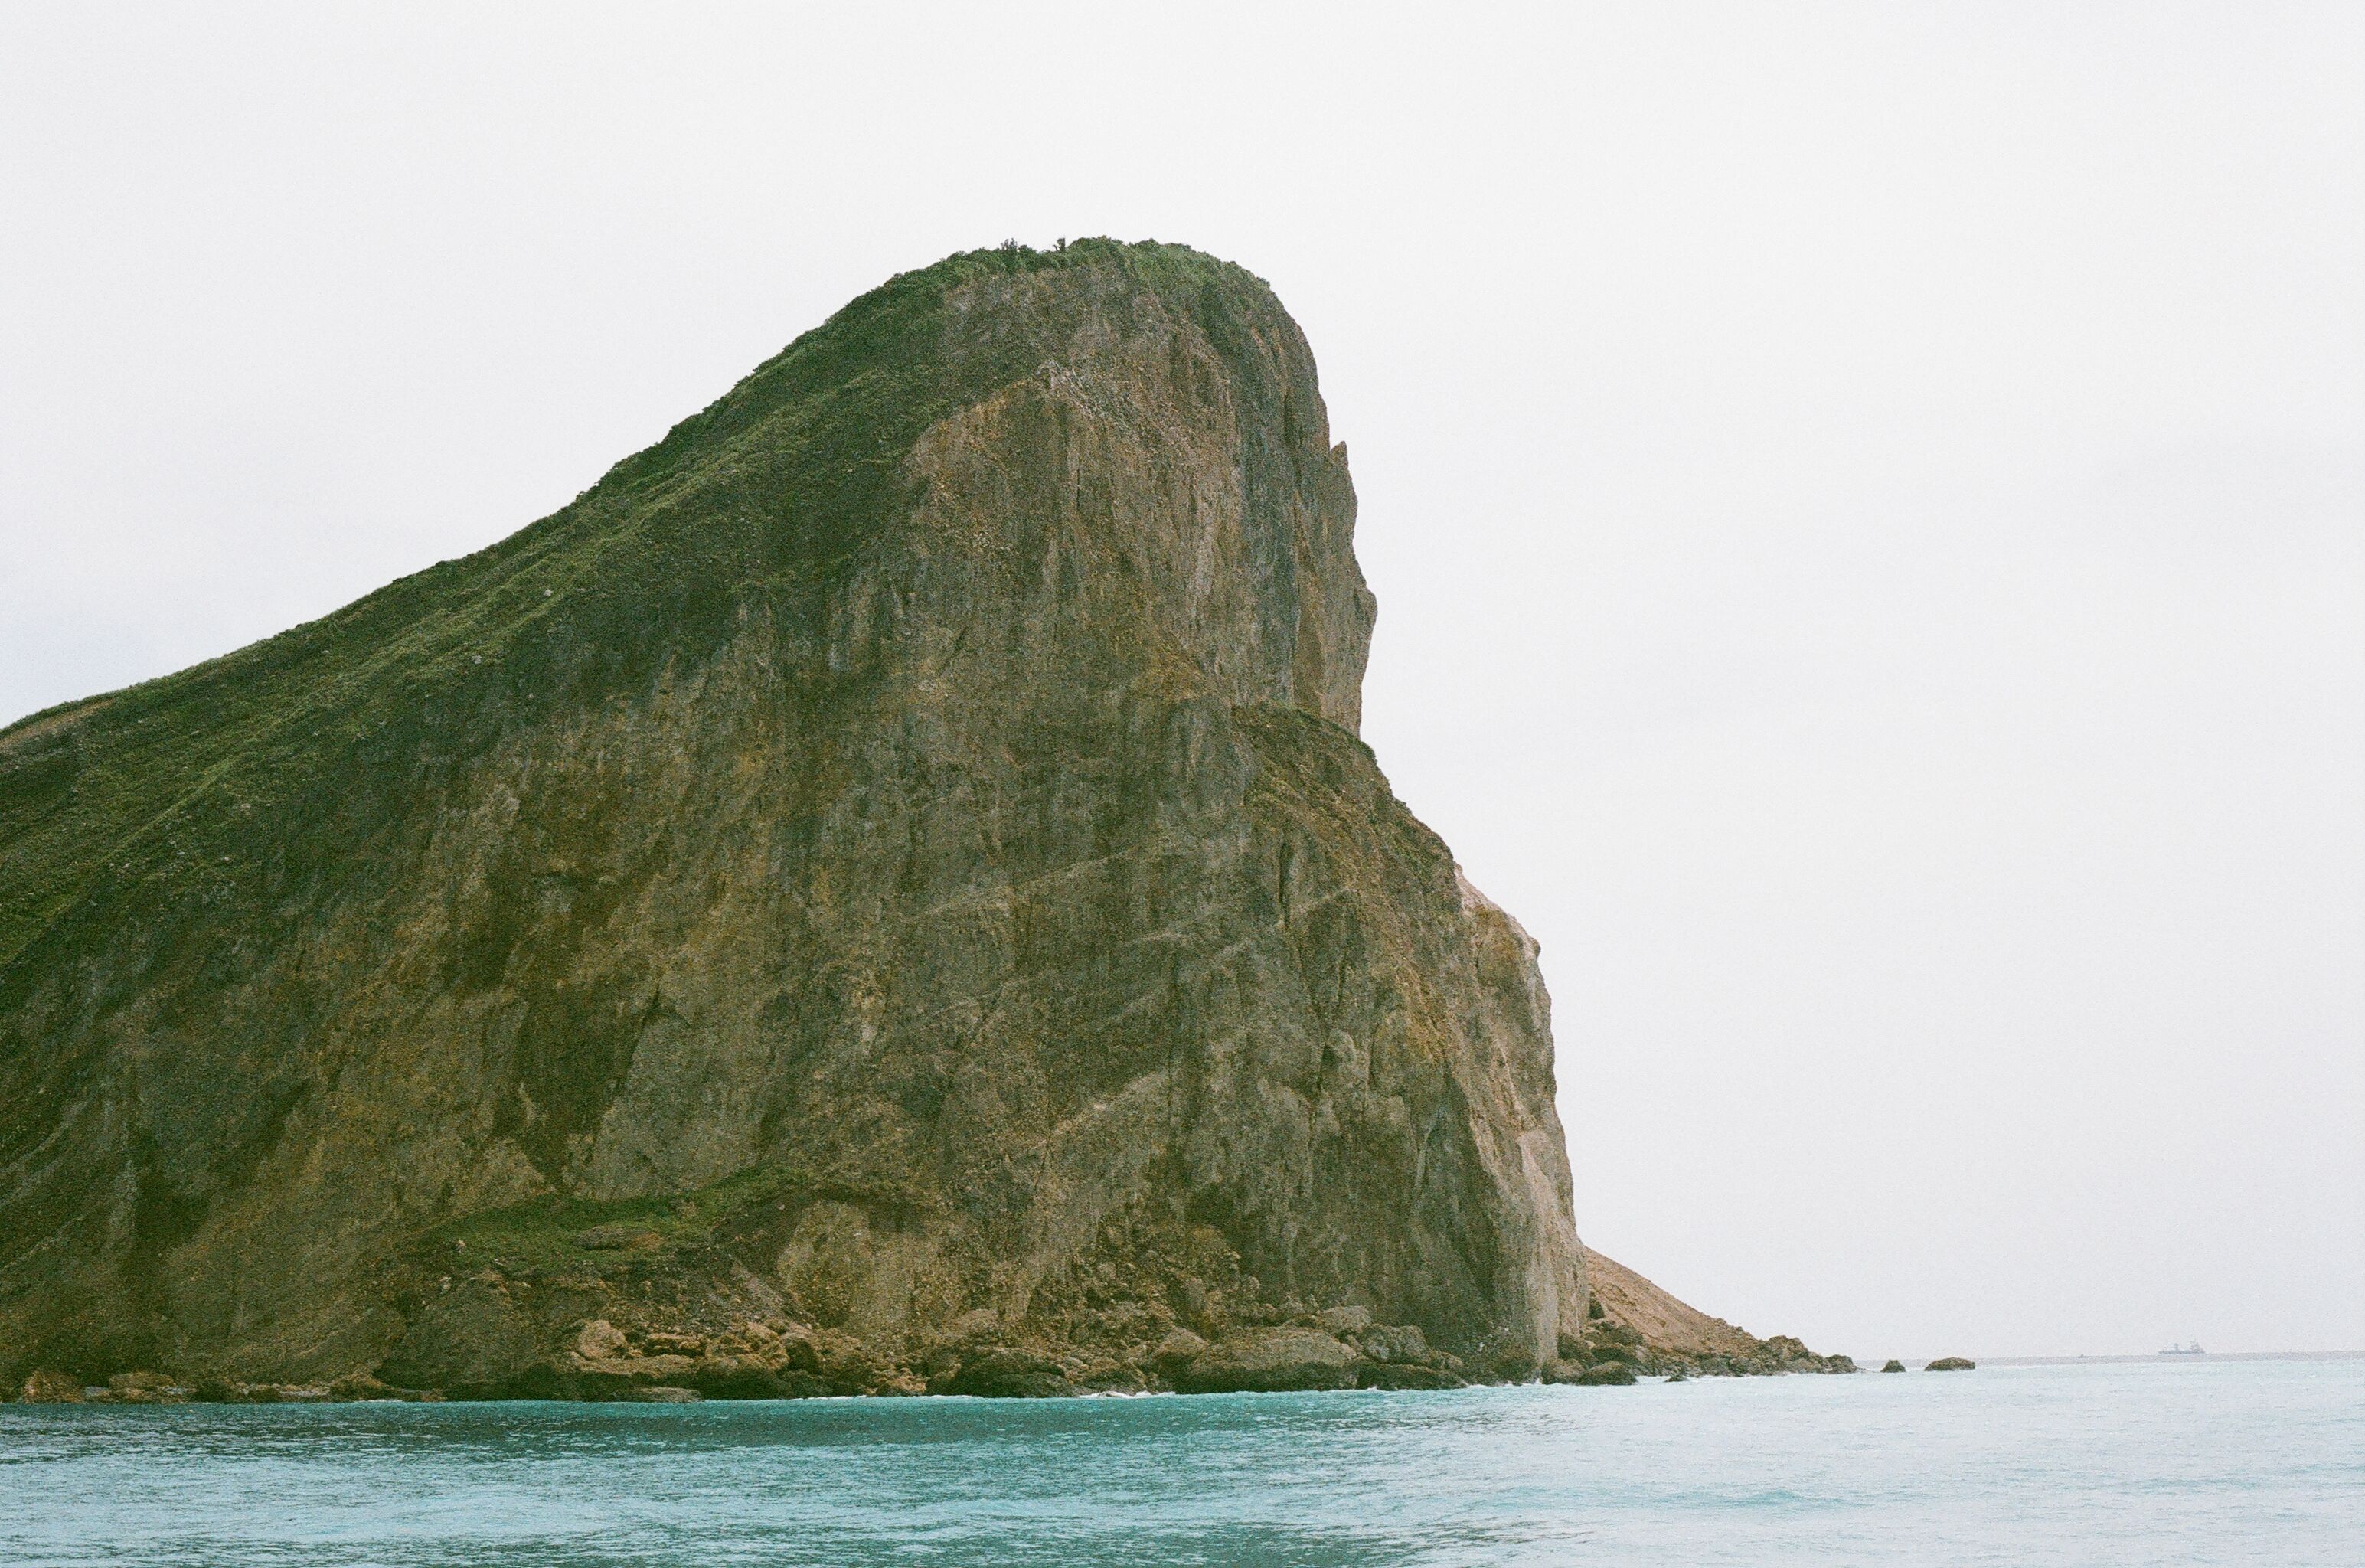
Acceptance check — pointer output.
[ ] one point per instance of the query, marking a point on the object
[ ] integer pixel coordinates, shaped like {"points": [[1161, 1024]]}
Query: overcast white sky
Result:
{"points": [[1868, 505]]}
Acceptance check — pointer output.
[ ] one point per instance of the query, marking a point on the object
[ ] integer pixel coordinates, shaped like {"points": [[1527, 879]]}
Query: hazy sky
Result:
{"points": [[1868, 505]]}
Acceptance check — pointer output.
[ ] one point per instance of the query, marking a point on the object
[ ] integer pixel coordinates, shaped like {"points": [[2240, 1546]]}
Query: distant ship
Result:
{"points": [[2193, 1350]]}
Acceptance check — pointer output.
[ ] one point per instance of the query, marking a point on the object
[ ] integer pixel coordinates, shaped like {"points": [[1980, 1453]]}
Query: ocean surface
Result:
{"points": [[2247, 1463]]}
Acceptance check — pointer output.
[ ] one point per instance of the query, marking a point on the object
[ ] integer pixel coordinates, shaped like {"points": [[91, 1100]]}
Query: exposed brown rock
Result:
{"points": [[1400, 1344], [1178, 1350], [602, 1340], [1269, 1361], [1003, 1372], [892, 865]]}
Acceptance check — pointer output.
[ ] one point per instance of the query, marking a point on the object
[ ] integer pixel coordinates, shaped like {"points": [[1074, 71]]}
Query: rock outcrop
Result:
{"points": [[880, 894], [896, 849], [1634, 1327]]}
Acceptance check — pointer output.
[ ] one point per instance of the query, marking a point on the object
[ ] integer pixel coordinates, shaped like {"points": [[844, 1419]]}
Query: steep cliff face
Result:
{"points": [[892, 863]]}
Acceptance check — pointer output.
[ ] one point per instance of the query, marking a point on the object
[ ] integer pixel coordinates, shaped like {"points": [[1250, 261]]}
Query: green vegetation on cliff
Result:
{"points": [[895, 852]]}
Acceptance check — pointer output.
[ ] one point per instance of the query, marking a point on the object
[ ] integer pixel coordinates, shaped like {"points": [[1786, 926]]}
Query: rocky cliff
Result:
{"points": [[882, 892]]}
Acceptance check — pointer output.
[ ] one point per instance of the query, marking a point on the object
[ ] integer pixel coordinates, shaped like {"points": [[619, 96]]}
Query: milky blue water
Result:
{"points": [[2249, 1462]]}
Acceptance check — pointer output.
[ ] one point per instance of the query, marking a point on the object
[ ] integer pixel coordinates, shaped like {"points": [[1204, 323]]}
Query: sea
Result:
{"points": [[2195, 1460]]}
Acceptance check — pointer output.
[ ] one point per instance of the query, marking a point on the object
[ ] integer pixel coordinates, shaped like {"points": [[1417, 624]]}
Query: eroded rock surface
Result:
{"points": [[897, 849], [881, 894]]}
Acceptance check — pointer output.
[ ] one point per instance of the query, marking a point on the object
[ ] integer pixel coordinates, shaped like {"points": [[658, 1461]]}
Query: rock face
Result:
{"points": [[895, 851], [1271, 1359]]}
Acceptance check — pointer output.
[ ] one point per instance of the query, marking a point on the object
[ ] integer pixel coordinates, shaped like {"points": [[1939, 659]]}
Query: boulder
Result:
{"points": [[355, 1386], [1894, 1365], [786, 1348], [1403, 1343], [145, 1388], [1617, 1374], [1952, 1364], [742, 1377], [1345, 1322], [1003, 1373], [1179, 1348], [846, 1365], [789, 1350], [602, 1340], [50, 1388], [664, 1393], [614, 1377], [749, 1338], [1269, 1361], [1101, 1374], [1513, 1364]]}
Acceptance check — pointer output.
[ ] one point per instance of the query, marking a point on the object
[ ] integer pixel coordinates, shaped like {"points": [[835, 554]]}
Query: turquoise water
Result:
{"points": [[2251, 1462]]}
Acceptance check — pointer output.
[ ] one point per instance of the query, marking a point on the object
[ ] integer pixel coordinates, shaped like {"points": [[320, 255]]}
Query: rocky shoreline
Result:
{"points": [[1290, 1350], [759, 1363]]}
